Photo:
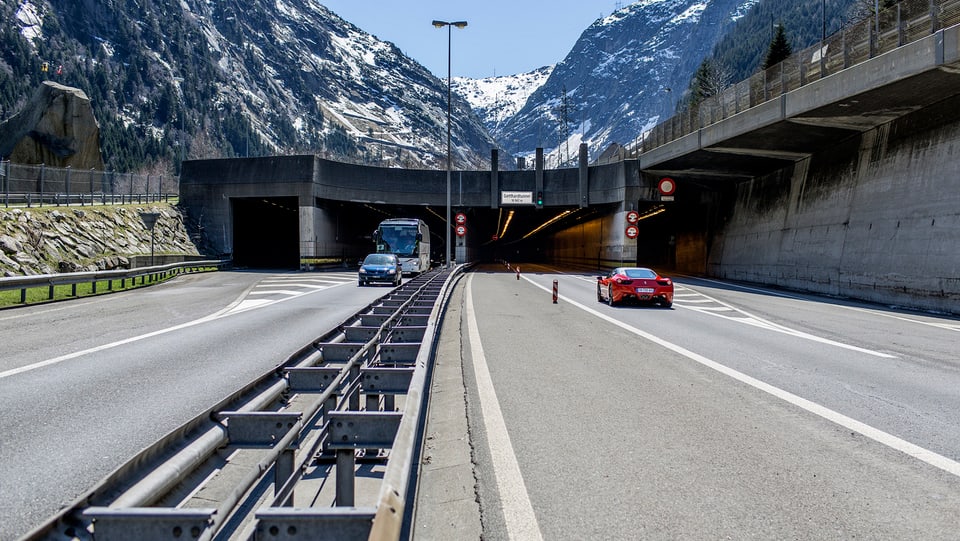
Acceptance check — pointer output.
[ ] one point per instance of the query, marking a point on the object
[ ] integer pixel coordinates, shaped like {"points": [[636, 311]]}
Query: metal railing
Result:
{"points": [[40, 185], [358, 392], [146, 275], [908, 21]]}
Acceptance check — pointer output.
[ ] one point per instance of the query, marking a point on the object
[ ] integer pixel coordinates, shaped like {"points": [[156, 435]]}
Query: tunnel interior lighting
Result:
{"points": [[506, 224], [659, 209], [556, 218]]}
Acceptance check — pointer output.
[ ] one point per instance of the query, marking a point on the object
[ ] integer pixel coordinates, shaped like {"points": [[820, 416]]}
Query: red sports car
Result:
{"points": [[637, 283]]}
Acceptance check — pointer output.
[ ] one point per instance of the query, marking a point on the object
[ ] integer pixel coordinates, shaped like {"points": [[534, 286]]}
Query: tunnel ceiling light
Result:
{"points": [[548, 222], [431, 211], [652, 212], [506, 224]]}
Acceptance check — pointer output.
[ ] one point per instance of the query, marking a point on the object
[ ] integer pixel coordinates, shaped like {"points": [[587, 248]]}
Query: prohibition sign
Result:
{"points": [[632, 231], [461, 230], [667, 186], [461, 218], [633, 217]]}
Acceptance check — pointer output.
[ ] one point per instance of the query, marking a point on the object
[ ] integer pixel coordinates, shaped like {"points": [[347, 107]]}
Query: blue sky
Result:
{"points": [[502, 37]]}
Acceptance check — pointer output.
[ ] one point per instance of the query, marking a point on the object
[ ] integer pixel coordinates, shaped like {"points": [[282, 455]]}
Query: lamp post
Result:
{"points": [[449, 25]]}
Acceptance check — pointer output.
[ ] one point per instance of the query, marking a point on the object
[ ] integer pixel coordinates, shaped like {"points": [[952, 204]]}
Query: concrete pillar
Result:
{"points": [[494, 178], [584, 172], [308, 235], [538, 173]]}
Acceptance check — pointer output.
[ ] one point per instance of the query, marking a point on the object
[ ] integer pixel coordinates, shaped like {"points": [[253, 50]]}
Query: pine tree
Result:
{"points": [[779, 49]]}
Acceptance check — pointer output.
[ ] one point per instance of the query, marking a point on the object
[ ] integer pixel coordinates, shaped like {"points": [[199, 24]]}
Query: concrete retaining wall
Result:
{"points": [[877, 218]]}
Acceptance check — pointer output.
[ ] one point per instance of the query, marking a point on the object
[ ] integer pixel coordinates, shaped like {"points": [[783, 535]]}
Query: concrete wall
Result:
{"points": [[876, 218]]}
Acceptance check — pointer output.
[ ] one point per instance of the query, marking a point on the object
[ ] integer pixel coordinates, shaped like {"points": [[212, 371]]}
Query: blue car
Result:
{"points": [[383, 268]]}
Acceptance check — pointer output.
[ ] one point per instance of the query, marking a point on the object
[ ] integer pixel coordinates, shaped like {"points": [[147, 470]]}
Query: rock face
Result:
{"points": [[56, 128], [49, 239]]}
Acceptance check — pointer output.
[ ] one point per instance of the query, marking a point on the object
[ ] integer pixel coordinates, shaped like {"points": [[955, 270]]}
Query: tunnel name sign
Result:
{"points": [[516, 198]]}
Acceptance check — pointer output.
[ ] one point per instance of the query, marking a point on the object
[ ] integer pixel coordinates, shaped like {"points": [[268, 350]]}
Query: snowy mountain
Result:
{"points": [[496, 99], [258, 77], [626, 72]]}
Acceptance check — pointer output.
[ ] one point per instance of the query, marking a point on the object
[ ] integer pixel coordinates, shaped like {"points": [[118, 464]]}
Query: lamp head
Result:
{"points": [[440, 24], [460, 24]]}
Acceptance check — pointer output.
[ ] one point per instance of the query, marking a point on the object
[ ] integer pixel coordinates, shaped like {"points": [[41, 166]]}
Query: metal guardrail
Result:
{"points": [[293, 430], [28, 185], [906, 22], [145, 274]]}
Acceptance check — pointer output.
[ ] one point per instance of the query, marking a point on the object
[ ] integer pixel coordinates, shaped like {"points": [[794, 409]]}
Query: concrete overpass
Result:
{"points": [[845, 184]]}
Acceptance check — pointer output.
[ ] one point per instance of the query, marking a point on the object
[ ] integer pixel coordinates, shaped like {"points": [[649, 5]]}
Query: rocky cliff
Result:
{"points": [[59, 239], [56, 128]]}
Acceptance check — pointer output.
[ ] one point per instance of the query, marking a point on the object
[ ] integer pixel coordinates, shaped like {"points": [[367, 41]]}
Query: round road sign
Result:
{"points": [[632, 231], [461, 230], [667, 186], [633, 217], [461, 218]]}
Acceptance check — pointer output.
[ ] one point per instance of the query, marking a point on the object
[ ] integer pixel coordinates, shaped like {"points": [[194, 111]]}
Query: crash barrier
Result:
{"points": [[41, 185], [279, 458], [145, 275], [906, 22]]}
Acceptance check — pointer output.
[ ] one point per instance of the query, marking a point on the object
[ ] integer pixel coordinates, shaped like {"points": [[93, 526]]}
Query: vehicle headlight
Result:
{"points": [[363, 271], [392, 271]]}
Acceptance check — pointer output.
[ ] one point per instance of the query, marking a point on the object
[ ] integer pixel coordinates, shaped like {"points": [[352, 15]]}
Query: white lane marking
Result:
{"points": [[872, 311], [259, 291], [884, 438], [237, 307], [757, 321], [246, 304], [521, 522]]}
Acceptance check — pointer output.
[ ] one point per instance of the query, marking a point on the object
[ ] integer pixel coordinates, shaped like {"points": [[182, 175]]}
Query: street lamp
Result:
{"points": [[449, 25]]}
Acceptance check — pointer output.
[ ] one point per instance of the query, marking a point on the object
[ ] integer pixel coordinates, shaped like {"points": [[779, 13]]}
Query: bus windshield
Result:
{"points": [[398, 239]]}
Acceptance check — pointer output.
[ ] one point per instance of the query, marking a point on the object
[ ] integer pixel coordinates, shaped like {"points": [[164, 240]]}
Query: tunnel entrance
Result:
{"points": [[266, 232]]}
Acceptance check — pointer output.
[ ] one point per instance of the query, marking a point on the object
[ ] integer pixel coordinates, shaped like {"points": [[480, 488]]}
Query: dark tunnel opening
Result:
{"points": [[266, 232]]}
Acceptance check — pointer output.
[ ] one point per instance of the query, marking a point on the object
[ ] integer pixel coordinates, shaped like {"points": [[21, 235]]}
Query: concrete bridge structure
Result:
{"points": [[847, 184]]}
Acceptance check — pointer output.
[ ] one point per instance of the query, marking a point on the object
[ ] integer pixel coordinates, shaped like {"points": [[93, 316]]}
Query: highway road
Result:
{"points": [[740, 413], [86, 384]]}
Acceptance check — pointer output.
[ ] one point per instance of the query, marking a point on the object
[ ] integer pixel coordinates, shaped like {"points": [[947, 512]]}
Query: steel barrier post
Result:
{"points": [[346, 462]]}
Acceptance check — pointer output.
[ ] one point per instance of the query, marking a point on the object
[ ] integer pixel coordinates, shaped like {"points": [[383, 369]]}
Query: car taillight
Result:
{"points": [[624, 281], [665, 282]]}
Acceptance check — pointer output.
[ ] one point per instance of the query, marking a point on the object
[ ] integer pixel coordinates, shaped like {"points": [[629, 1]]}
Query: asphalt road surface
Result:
{"points": [[86, 384], [740, 413]]}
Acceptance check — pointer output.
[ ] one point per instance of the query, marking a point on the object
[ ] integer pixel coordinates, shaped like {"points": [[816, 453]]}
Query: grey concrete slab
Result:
{"points": [[447, 505]]}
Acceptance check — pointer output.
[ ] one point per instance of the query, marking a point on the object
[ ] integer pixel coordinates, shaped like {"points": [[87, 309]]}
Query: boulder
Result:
{"points": [[56, 127], [9, 245]]}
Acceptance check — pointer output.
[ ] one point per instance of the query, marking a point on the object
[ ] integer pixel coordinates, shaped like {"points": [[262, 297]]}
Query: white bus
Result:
{"points": [[409, 239]]}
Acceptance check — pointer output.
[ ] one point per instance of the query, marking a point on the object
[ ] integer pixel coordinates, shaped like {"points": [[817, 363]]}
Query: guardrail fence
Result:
{"points": [[40, 185], [144, 274], [908, 21]]}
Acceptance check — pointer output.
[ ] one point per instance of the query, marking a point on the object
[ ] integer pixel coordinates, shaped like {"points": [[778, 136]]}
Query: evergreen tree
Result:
{"points": [[779, 49], [709, 80]]}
